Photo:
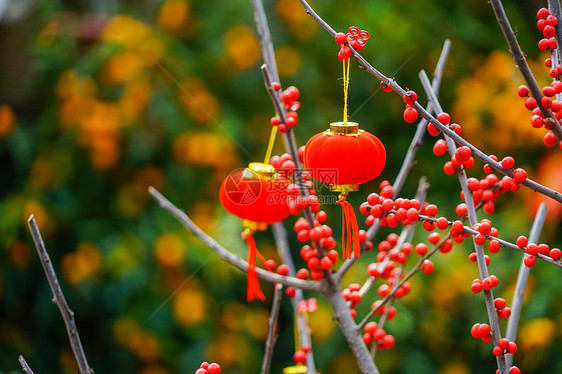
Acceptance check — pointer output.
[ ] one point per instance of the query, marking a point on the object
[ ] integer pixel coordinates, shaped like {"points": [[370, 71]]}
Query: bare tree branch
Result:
{"points": [[59, 299], [521, 283], [280, 235], [272, 329], [521, 63], [483, 269], [226, 254], [25, 367]]}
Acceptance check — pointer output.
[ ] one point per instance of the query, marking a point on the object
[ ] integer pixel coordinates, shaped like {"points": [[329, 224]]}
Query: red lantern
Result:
{"points": [[259, 196], [345, 156]]}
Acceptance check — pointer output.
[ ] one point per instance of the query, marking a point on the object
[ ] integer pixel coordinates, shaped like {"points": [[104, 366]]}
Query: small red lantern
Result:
{"points": [[259, 196], [345, 156]]}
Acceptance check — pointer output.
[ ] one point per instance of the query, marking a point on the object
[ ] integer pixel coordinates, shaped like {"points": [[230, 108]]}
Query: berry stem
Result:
{"points": [[521, 283]]}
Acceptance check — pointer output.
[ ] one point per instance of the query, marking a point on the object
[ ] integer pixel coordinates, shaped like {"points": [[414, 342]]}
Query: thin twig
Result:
{"points": [[476, 153], [408, 162], [521, 63], [225, 254], [272, 329], [280, 235], [521, 283], [24, 365], [503, 243], [412, 271], [59, 299], [482, 267]]}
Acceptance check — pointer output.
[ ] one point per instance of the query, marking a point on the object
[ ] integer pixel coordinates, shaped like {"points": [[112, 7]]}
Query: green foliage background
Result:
{"points": [[102, 99]]}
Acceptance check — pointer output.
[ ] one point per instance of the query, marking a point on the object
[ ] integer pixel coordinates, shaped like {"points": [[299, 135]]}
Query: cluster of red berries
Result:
{"points": [[289, 98], [353, 296], [501, 309], [389, 212], [533, 250], [315, 264], [356, 39], [537, 119], [488, 189], [207, 368], [286, 168], [375, 334], [504, 346], [547, 24], [410, 113], [485, 284], [481, 331]]}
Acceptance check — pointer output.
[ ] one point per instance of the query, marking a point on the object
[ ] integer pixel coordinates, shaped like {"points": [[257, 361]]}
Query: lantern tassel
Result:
{"points": [[254, 289], [349, 227]]}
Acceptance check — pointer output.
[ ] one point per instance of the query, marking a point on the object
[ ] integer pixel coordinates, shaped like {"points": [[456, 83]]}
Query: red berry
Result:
{"points": [[493, 246], [431, 210], [461, 210], [529, 261], [543, 44], [302, 274], [463, 153], [201, 371], [521, 241], [204, 365], [444, 118], [548, 91], [299, 357], [474, 331], [340, 38], [553, 73], [542, 13], [214, 368], [385, 87], [497, 351], [427, 267], [530, 103], [476, 286], [555, 254], [508, 162], [549, 31], [276, 85], [410, 97], [433, 130], [290, 291], [410, 114], [519, 175], [550, 139], [514, 370], [440, 147], [483, 330], [523, 91], [344, 53]]}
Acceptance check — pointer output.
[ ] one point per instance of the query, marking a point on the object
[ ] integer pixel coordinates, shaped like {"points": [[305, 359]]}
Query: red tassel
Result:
{"points": [[349, 226], [254, 289]]}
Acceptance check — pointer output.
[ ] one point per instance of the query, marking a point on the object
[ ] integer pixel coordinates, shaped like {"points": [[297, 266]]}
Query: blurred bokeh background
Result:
{"points": [[101, 99]]}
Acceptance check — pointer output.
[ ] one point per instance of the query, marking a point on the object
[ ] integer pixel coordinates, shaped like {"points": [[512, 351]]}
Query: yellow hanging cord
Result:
{"points": [[345, 88], [270, 144], [296, 331]]}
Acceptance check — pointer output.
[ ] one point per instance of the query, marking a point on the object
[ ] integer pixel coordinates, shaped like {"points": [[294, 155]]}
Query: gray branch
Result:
{"points": [[521, 63], [488, 295], [24, 365], [280, 235], [59, 299], [224, 253], [272, 329], [521, 283]]}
